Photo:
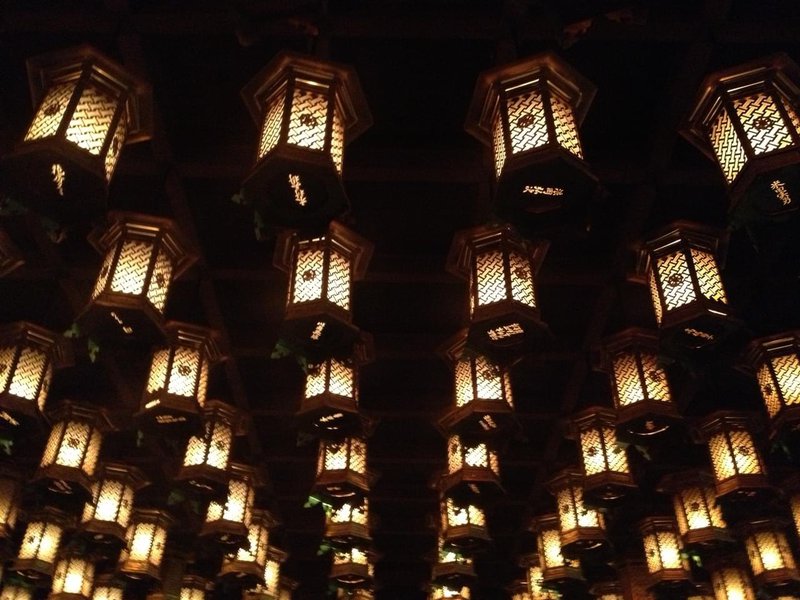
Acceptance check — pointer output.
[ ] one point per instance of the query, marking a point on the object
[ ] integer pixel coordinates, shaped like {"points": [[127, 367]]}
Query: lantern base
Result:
{"points": [[348, 535], [698, 328], [506, 330], [467, 539], [456, 574], [243, 575], [331, 415], [314, 333], [140, 572], [168, 414], [121, 318], [607, 489], [469, 484], [767, 189], [480, 418], [745, 489], [32, 569], [204, 480], [342, 486], [18, 415], [708, 537], [780, 581], [589, 539], [63, 485], [227, 535], [645, 420], [671, 583], [351, 574], [103, 537]]}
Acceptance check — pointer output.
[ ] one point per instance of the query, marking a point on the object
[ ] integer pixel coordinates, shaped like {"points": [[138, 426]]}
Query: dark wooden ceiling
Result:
{"points": [[413, 179]]}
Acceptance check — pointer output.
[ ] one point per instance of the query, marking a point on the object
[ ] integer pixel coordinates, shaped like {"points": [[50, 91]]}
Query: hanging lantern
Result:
{"points": [[699, 517], [28, 355], [581, 528], [107, 587], [10, 489], [272, 573], [142, 254], [528, 112], [557, 571], [463, 526], [739, 472], [88, 108], [639, 384], [668, 568], [13, 591], [307, 110], [178, 380], [746, 119], [451, 566], [10, 256], [227, 523], [535, 584], [342, 469], [501, 268], [776, 361], [73, 579], [146, 539], [352, 568], [249, 561], [321, 274], [770, 556], [349, 524], [39, 548], [70, 456], [605, 463], [473, 470], [107, 515], [193, 588], [607, 590], [205, 463], [445, 592], [731, 582]]}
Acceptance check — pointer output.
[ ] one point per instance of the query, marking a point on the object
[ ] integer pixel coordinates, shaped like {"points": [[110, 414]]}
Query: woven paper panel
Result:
{"points": [[131, 270], [669, 549], [550, 549], [255, 551], [526, 121], [727, 147], [341, 378], [6, 360], [202, 384], [92, 452], [476, 456], [28, 373], [308, 119], [44, 388], [358, 455], [339, 280], [655, 378], [769, 389], [105, 271], [41, 541], [108, 501], [104, 593], [491, 277], [51, 111], [183, 374], [157, 378], [489, 379], [159, 282], [731, 584], [238, 502], [115, 147], [763, 123], [192, 594], [676, 283], [454, 458], [271, 577], [335, 455], [787, 372], [51, 449], [536, 585], [626, 377], [92, 119], [592, 449], [219, 450], [498, 144], [566, 128], [316, 377], [521, 279], [308, 275], [463, 377], [271, 131], [655, 297], [708, 275], [337, 140], [615, 455], [74, 444]]}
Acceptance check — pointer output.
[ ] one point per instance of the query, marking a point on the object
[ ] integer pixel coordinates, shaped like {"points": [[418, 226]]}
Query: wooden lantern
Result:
{"points": [[473, 470], [770, 556], [10, 491], [107, 515], [342, 472], [73, 579], [776, 361], [451, 566], [249, 561], [731, 582], [535, 583], [699, 517], [87, 108], [38, 551], [272, 573], [307, 109], [143, 255], [193, 588], [146, 540], [463, 526], [352, 567], [557, 571], [445, 592], [108, 587], [582, 528], [227, 522], [15, 591], [349, 524], [666, 563], [607, 590]]}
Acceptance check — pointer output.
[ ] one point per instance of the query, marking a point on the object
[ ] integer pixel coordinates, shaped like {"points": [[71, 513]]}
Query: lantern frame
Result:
{"points": [[467, 537], [86, 572], [442, 591], [275, 556], [145, 569], [775, 363], [104, 531], [347, 484], [607, 590], [251, 572], [580, 538], [38, 568], [225, 532], [353, 574], [731, 563], [108, 581], [11, 257], [664, 579], [558, 571], [467, 482], [459, 571], [781, 580], [693, 491], [350, 533], [534, 579]]}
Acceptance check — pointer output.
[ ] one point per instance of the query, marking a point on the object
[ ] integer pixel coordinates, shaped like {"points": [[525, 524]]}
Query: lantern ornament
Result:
{"points": [[70, 457], [73, 579], [557, 571], [227, 522], [88, 108], [193, 588], [451, 566], [473, 470], [147, 536], [739, 472], [529, 112], [581, 528], [321, 274], [699, 517], [108, 587], [107, 515], [441, 591], [307, 110], [178, 379], [15, 591], [463, 526], [607, 590], [641, 391], [770, 556], [776, 361], [605, 463], [249, 561], [731, 582], [666, 563], [352, 567], [349, 524], [746, 119], [28, 356], [501, 268], [38, 551], [10, 490], [342, 473]]}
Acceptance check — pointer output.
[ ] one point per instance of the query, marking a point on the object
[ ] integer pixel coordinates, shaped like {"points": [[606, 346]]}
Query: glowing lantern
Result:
{"points": [[641, 391], [10, 489], [307, 110], [227, 523], [272, 572], [348, 525], [321, 274], [107, 515], [501, 268], [73, 579], [28, 355], [445, 592], [528, 112], [352, 567], [70, 456], [607, 590], [451, 566], [731, 582], [699, 517], [581, 528], [12, 591], [535, 583], [342, 468], [106, 587], [605, 463], [463, 526], [250, 560], [776, 361], [666, 564], [193, 588], [770, 556], [473, 469], [39, 548], [557, 571], [88, 108], [146, 539], [745, 118], [10, 256]]}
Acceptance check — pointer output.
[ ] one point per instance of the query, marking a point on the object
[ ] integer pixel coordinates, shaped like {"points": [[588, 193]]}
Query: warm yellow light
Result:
{"points": [[40, 545], [9, 504], [106, 589], [535, 581], [73, 578], [731, 583], [580, 526], [16, 592], [230, 520], [251, 558], [342, 466], [454, 515], [663, 551], [109, 510], [146, 540], [193, 588], [74, 444], [697, 513], [444, 592], [604, 460], [769, 553]]}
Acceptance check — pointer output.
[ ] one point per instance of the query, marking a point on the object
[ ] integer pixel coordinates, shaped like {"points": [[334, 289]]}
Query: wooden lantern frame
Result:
{"points": [[558, 571], [567, 487], [148, 566], [128, 480], [775, 361], [694, 492], [347, 484], [349, 525], [463, 526], [473, 471], [658, 532]]}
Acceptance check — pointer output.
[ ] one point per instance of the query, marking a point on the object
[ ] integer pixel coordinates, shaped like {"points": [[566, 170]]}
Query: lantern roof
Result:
{"points": [[69, 409], [61, 348], [193, 335], [723, 419], [239, 421], [133, 476]]}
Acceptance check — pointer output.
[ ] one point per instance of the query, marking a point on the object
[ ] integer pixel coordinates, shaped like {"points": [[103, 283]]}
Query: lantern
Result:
{"points": [[342, 469], [739, 472], [28, 355], [581, 528], [146, 539], [473, 469], [501, 269], [348, 525], [776, 360], [307, 110], [666, 564], [142, 254], [88, 108], [463, 526], [352, 567], [193, 588], [699, 517], [746, 119], [445, 592], [605, 463], [107, 515], [10, 256], [227, 523], [641, 391], [107, 587], [37, 552], [731, 582], [272, 572], [249, 561], [207, 456], [689, 299], [73, 579], [12, 591], [451, 566], [607, 590], [10, 489], [528, 112], [535, 583], [557, 571], [70, 456], [770, 556]]}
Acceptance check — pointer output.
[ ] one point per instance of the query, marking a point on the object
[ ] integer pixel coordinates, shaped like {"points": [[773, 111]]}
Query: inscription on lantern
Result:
{"points": [[781, 192], [297, 188], [59, 177]]}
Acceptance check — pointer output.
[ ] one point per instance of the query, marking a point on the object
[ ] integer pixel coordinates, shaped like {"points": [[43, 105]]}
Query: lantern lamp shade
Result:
{"points": [[10, 489], [193, 588], [329, 404], [641, 390], [473, 469], [87, 108], [38, 550], [731, 582], [557, 571], [73, 579], [342, 471], [142, 256], [663, 552], [582, 528], [250, 560], [146, 539], [352, 567], [776, 362], [746, 119], [698, 515], [605, 462], [16, 591], [536, 584], [28, 356], [607, 590], [529, 112], [107, 587], [227, 522], [10, 256], [770, 556], [349, 524], [445, 592], [463, 525], [501, 268], [307, 110], [451, 565], [107, 515]]}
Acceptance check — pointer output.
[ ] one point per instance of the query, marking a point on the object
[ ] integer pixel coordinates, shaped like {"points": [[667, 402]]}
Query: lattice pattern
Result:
{"points": [[655, 297], [308, 119], [662, 550], [601, 452], [351, 556], [271, 130], [213, 449], [202, 384], [131, 269], [146, 543], [536, 587], [159, 281], [74, 575], [157, 378], [566, 128], [6, 365], [339, 280], [787, 373], [521, 279], [8, 506], [41, 541], [572, 513], [550, 555], [733, 453], [705, 265], [238, 504], [498, 144], [28, 373], [17, 592], [627, 379], [463, 379], [489, 379], [112, 501], [192, 593], [696, 508], [491, 277], [727, 147], [655, 378], [316, 380], [105, 593], [763, 123], [308, 274], [348, 513], [115, 147], [51, 112], [676, 282], [793, 118], [768, 550], [183, 372], [255, 551], [105, 272], [91, 119], [731, 583], [272, 574], [526, 121], [341, 378], [337, 140], [456, 516], [73, 444]]}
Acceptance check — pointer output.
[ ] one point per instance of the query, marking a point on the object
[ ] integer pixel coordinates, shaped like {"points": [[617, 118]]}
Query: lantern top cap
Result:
{"points": [[578, 90], [69, 409], [780, 344], [69, 63], [630, 337], [594, 414], [51, 515], [40, 336], [265, 518], [569, 477], [237, 419], [696, 234], [456, 349], [152, 515], [727, 419], [189, 334], [541, 522], [250, 472], [133, 476], [675, 482], [657, 522], [467, 241], [357, 116]]}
